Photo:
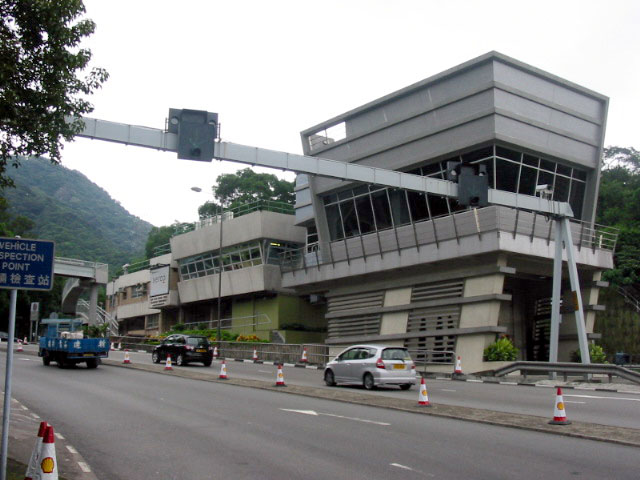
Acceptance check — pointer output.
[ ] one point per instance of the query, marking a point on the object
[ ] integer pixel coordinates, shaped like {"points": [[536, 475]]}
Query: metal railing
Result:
{"points": [[570, 368], [244, 209], [82, 310], [226, 323], [475, 222]]}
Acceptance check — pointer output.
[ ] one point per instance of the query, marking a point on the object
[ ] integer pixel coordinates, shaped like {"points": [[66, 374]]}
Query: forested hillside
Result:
{"points": [[83, 220]]}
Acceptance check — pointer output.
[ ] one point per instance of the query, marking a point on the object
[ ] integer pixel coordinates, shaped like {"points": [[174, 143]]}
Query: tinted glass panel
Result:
{"points": [[381, 209], [528, 178], [334, 223], [545, 178], [399, 207], [577, 198], [198, 341], [561, 189], [563, 170], [506, 153], [395, 354], [438, 205], [418, 206], [478, 154], [345, 194], [507, 175], [547, 165], [531, 160], [579, 174], [349, 219], [365, 214]]}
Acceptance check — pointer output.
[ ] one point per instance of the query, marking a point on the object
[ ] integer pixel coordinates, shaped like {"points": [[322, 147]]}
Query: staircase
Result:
{"points": [[82, 310]]}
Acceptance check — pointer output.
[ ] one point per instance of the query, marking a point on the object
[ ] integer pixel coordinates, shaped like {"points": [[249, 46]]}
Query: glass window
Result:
{"points": [[561, 189], [349, 218], [345, 194], [478, 154], [563, 170], [547, 165], [577, 198], [399, 207], [528, 177], [490, 170], [381, 209], [334, 222], [579, 174], [531, 160], [507, 175], [507, 153], [438, 205], [418, 206], [365, 214], [361, 190], [333, 198]]}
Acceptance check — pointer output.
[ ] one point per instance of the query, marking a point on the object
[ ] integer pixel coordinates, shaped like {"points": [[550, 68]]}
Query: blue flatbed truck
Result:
{"points": [[63, 344]]}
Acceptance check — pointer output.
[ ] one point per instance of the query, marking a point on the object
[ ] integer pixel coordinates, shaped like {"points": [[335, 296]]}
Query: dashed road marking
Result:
{"points": [[71, 449], [447, 390], [84, 467], [59, 435], [33, 415], [603, 398]]}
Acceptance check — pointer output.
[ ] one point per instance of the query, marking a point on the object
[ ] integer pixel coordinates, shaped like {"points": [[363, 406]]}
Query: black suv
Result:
{"points": [[184, 349]]}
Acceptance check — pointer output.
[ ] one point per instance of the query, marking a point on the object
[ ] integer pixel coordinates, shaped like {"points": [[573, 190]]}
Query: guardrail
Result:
{"points": [[567, 368]]}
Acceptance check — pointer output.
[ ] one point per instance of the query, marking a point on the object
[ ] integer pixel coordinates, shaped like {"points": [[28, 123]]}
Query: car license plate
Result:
{"points": [[398, 367], [88, 354], [201, 350]]}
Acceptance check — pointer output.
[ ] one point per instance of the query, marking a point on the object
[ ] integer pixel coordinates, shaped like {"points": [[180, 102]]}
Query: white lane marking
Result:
{"points": [[23, 407], [264, 371], [59, 435], [25, 359], [35, 416], [315, 414], [71, 449], [573, 401], [508, 383], [84, 467], [471, 380], [447, 390], [604, 398], [404, 467]]}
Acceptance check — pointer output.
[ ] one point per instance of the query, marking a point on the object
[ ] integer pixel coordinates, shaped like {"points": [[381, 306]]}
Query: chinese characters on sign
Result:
{"points": [[26, 264]]}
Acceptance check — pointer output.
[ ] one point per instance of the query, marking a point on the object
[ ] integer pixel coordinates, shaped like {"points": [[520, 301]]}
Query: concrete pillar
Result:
{"points": [[395, 322], [93, 304]]}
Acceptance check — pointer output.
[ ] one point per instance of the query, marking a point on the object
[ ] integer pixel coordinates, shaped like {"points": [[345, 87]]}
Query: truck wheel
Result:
{"points": [[92, 363], [46, 359], [61, 360]]}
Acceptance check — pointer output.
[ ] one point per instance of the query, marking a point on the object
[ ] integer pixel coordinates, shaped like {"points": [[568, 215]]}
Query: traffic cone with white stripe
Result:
{"points": [[458, 368], [32, 468], [280, 377], [167, 365], [215, 352], [19, 349], [559, 415], [423, 399], [48, 468], [126, 357], [255, 354], [25, 341], [223, 371], [304, 355]]}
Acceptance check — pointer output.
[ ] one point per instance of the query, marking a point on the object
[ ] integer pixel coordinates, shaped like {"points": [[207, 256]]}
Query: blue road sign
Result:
{"points": [[26, 264]]}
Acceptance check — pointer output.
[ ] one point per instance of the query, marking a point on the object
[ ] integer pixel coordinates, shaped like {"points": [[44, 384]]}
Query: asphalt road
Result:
{"points": [[133, 424], [606, 408]]}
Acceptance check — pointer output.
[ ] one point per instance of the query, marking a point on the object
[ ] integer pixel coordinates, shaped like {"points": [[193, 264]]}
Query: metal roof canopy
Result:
{"points": [[561, 211]]}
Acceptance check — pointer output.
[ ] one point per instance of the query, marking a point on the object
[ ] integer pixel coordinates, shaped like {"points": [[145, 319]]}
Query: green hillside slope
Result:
{"points": [[83, 220]]}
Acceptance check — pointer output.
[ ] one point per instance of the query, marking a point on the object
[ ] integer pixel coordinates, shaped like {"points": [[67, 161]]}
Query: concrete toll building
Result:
{"points": [[377, 264]]}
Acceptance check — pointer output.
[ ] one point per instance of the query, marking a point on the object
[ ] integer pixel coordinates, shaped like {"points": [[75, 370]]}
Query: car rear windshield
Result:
{"points": [[395, 354], [197, 341]]}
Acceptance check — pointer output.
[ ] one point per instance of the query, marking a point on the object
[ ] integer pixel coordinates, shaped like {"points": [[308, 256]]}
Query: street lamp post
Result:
{"points": [[220, 266]]}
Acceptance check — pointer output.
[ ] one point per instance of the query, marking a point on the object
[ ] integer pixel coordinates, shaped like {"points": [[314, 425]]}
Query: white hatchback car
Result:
{"points": [[372, 366]]}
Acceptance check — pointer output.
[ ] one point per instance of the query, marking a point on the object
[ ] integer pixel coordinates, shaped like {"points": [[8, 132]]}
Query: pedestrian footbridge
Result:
{"points": [[82, 276]]}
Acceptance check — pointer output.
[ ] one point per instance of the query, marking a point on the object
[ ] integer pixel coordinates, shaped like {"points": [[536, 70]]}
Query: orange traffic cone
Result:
{"points": [[19, 349], [423, 399], [223, 371], [32, 468], [280, 377], [126, 357], [167, 365], [304, 355], [458, 368], [48, 469], [255, 355], [215, 352], [559, 415]]}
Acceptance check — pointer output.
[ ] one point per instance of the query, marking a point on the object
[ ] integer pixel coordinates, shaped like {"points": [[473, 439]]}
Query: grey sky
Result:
{"points": [[272, 68]]}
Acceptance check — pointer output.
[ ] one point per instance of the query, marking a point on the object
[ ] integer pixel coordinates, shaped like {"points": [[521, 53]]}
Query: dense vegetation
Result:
{"points": [[83, 220]]}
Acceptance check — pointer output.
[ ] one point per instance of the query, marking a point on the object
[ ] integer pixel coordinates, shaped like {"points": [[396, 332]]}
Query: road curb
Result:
{"points": [[583, 430]]}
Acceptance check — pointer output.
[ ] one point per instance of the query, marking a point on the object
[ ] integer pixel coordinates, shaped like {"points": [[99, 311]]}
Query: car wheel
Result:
{"points": [[155, 357], [180, 360], [329, 378], [207, 363], [46, 359], [406, 386], [368, 382]]}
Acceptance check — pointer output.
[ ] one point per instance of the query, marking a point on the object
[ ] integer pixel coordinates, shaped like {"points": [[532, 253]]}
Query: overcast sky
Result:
{"points": [[273, 68]]}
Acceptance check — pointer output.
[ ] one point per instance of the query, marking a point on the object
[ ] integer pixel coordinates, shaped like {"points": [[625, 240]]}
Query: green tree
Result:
{"points": [[619, 206], [158, 236], [244, 186], [12, 225], [40, 63]]}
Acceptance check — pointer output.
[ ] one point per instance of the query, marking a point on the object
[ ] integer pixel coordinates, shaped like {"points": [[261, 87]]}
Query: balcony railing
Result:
{"points": [[474, 222]]}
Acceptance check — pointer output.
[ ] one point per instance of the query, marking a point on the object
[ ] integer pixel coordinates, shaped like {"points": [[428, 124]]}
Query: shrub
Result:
{"points": [[250, 339], [501, 350], [596, 352], [179, 327]]}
